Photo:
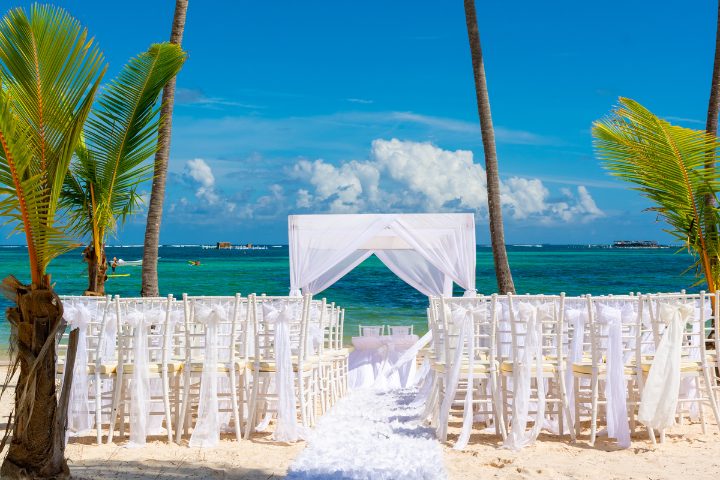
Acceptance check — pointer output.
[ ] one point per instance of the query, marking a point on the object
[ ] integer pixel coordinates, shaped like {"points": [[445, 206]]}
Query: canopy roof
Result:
{"points": [[429, 251]]}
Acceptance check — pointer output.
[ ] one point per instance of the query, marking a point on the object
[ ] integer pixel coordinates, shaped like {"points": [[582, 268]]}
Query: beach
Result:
{"points": [[687, 453]]}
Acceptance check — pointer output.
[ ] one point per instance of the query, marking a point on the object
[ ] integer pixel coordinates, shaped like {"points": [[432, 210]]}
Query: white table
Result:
{"points": [[375, 354]]}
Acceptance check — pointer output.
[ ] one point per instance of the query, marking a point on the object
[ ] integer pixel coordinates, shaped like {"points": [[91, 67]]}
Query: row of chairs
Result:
{"points": [[199, 366], [565, 360]]}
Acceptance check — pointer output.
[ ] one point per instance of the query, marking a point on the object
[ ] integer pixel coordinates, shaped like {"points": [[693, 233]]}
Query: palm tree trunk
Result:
{"points": [[150, 286], [97, 271], [37, 448], [711, 126], [497, 234]]}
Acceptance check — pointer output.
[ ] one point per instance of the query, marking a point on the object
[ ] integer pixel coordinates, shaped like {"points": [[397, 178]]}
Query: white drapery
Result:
{"points": [[428, 251]]}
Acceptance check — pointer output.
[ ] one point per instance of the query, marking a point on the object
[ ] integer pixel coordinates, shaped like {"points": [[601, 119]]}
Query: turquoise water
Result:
{"points": [[371, 293]]}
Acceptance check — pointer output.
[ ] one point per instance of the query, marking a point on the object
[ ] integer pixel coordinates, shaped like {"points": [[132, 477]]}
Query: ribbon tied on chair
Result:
{"points": [[615, 384], [462, 322], [530, 352], [287, 428], [80, 420], [207, 427], [662, 387], [140, 322]]}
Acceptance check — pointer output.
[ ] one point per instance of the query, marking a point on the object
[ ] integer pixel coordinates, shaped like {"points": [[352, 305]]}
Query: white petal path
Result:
{"points": [[371, 435]]}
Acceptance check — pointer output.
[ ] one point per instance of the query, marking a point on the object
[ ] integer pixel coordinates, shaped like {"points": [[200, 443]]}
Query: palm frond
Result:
{"points": [[666, 163], [50, 72], [120, 136]]}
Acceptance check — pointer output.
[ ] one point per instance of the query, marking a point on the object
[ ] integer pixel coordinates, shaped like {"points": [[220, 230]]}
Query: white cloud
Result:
{"points": [[200, 172], [413, 176]]}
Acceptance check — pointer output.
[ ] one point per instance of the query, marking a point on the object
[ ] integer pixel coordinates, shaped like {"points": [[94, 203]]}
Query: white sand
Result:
{"points": [[687, 454]]}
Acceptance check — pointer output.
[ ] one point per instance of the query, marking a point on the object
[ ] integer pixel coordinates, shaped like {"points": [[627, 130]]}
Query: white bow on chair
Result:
{"points": [[287, 428], [140, 321], [531, 351], [662, 387], [615, 385], [207, 427], [79, 418], [462, 319]]}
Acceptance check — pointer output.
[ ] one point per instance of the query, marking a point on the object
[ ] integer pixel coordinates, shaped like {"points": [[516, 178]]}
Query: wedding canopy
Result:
{"points": [[428, 251]]}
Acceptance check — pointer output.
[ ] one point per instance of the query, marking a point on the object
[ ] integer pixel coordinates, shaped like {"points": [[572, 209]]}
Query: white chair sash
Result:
{"points": [[615, 385], [287, 428], [662, 387], [206, 433], [518, 436], [462, 320], [79, 418], [140, 321], [577, 318]]}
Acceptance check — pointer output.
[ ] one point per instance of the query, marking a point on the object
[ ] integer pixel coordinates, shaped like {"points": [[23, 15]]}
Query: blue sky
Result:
{"points": [[298, 107]]}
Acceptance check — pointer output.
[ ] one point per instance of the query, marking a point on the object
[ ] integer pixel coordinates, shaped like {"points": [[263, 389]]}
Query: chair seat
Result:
{"points": [[105, 368], [271, 366], [222, 367], [586, 368], [340, 352], [507, 367], [479, 367], [686, 366], [172, 367]]}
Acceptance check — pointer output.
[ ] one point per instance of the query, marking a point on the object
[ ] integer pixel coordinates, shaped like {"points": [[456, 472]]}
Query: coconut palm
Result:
{"points": [[666, 163], [150, 287], [50, 71], [120, 135], [497, 233]]}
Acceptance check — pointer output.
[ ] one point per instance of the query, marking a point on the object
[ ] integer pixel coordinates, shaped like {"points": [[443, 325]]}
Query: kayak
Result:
{"points": [[113, 275]]}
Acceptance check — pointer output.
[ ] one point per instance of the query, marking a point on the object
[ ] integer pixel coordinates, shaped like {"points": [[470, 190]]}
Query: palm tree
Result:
{"points": [[150, 287], [50, 71], [497, 234], [120, 135], [666, 163], [711, 124]]}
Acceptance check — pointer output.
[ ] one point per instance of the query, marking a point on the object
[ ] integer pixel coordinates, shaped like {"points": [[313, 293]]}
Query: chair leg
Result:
{"points": [[234, 399], [183, 405], [252, 407], [711, 395], [565, 409], [166, 404], [594, 410], [117, 393], [98, 408]]}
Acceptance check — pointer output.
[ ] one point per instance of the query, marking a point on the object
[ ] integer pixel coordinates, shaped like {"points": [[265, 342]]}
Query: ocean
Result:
{"points": [[371, 294]]}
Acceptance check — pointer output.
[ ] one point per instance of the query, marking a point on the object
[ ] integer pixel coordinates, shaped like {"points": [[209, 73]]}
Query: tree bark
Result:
{"points": [[37, 448], [150, 286], [97, 271], [711, 127], [497, 234]]}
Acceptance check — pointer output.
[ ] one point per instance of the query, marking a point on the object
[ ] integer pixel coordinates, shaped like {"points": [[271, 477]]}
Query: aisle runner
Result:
{"points": [[371, 435]]}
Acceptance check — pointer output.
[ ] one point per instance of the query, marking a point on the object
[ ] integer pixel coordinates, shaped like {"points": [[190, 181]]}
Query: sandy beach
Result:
{"points": [[687, 453]]}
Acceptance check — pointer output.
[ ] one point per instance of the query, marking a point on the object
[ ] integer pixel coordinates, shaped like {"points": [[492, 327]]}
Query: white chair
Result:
{"points": [[466, 366], [268, 314], [95, 362], [400, 329], [142, 393], [610, 319], [371, 330], [695, 367], [214, 367], [534, 372]]}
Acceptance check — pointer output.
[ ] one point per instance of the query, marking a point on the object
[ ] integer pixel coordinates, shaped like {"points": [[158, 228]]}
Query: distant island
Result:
{"points": [[637, 244]]}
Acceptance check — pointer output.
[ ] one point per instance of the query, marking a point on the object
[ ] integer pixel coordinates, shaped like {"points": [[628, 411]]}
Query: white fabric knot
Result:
{"points": [[662, 387], [287, 428]]}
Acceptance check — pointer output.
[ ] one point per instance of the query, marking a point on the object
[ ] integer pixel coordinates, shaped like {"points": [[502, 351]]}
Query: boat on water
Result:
{"points": [[637, 244], [129, 263]]}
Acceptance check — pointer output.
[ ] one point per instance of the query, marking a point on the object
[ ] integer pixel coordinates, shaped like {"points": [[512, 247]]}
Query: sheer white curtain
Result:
{"points": [[428, 251]]}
